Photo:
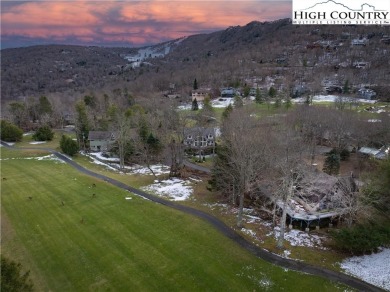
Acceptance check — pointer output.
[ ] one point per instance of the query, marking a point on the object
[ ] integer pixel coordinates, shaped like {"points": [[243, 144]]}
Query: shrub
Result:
{"points": [[10, 132], [332, 163], [361, 239], [11, 277], [43, 134], [68, 146], [344, 154]]}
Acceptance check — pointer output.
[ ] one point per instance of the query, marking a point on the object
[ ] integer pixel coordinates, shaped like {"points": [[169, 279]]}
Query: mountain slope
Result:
{"points": [[313, 55]]}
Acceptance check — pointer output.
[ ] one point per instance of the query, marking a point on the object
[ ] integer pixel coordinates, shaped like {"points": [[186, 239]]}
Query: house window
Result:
{"points": [[204, 142]]}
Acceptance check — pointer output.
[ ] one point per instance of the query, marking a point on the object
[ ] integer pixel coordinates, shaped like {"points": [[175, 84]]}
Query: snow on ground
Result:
{"points": [[28, 133], [249, 232], [98, 162], [37, 142], [374, 268], [333, 98], [222, 102], [216, 205], [99, 155], [112, 164], [10, 143], [174, 189], [256, 276], [51, 157], [158, 169], [298, 238]]}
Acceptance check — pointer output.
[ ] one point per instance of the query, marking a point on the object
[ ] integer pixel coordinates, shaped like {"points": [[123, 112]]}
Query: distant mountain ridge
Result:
{"points": [[217, 59]]}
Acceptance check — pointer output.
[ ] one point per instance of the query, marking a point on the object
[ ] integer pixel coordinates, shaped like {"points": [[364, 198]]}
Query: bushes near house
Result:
{"points": [[363, 238], [44, 133], [10, 132], [68, 146]]}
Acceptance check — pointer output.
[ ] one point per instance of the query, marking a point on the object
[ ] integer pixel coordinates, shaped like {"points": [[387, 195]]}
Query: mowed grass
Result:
{"points": [[53, 144], [109, 243]]}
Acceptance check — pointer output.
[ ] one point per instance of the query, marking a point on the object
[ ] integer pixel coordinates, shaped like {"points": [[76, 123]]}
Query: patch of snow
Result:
{"points": [[111, 163], [333, 98], [158, 169], [249, 232], [286, 253], [128, 198], [37, 142], [216, 205], [188, 106], [28, 133], [218, 132], [222, 102], [296, 207], [10, 143], [174, 189], [374, 121], [99, 155], [252, 219], [374, 268], [298, 238], [50, 157], [260, 279], [98, 162]]}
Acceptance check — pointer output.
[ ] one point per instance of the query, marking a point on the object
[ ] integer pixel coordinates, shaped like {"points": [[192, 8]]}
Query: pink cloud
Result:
{"points": [[132, 22]]}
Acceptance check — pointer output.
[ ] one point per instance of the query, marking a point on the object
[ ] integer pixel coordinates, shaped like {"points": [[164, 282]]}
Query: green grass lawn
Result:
{"points": [[54, 144], [110, 243]]}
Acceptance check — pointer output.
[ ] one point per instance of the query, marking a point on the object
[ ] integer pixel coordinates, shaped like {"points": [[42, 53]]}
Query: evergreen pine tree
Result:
{"points": [[195, 105], [272, 92], [195, 84], [258, 96], [288, 103], [154, 143], [44, 133], [10, 132], [227, 111], [278, 103], [44, 106], [238, 101], [207, 104], [68, 146], [346, 87], [332, 163]]}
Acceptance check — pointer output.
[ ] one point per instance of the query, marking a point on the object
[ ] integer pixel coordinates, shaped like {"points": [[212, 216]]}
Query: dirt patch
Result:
{"points": [[355, 164]]}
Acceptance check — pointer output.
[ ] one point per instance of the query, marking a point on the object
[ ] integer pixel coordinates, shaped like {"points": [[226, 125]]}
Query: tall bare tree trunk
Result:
{"points": [[280, 243], [240, 210]]}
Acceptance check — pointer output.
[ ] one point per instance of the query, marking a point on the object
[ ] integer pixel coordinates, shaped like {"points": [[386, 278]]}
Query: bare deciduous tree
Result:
{"points": [[246, 153]]}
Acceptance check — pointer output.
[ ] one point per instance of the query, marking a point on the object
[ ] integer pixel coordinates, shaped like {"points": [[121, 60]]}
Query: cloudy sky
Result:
{"points": [[127, 22]]}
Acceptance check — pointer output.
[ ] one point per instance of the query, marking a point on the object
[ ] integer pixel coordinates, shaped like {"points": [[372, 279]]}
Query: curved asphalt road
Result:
{"points": [[226, 230]]}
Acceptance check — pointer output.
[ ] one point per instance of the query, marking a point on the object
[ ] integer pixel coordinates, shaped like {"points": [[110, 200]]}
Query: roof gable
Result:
{"points": [[100, 135]]}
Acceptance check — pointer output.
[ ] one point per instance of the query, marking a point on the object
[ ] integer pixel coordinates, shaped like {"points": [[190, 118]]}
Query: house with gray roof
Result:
{"points": [[100, 140], [199, 137]]}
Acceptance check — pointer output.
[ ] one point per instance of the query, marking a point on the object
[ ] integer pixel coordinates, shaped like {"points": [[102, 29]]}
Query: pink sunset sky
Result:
{"points": [[126, 23]]}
